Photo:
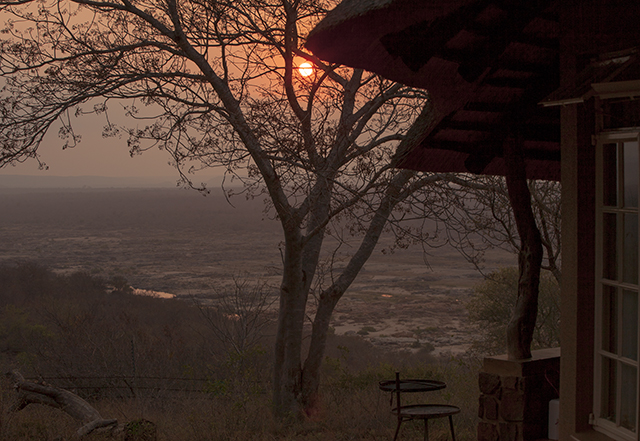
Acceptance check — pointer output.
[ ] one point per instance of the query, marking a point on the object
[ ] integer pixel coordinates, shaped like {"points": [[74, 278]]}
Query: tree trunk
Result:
{"points": [[296, 387], [522, 324], [288, 346], [311, 375], [76, 407], [330, 297]]}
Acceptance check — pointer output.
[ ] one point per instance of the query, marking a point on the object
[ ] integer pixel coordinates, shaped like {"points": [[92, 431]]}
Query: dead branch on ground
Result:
{"points": [[72, 404]]}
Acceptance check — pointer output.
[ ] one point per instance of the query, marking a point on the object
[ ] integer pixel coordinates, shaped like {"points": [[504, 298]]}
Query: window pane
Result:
{"points": [[630, 247], [610, 175], [609, 246], [630, 162], [608, 397], [630, 324], [609, 319], [628, 396]]}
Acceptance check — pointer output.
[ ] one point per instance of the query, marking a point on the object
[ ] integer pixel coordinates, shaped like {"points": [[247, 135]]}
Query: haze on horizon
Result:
{"points": [[96, 156]]}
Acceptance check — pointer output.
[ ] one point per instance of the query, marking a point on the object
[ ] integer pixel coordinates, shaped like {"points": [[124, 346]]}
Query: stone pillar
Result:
{"points": [[515, 395]]}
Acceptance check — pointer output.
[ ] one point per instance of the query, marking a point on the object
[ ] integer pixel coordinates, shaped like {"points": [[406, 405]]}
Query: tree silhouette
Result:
{"points": [[215, 84]]}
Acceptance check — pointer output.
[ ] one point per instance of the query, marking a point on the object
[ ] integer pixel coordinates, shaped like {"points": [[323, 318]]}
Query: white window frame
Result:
{"points": [[600, 424]]}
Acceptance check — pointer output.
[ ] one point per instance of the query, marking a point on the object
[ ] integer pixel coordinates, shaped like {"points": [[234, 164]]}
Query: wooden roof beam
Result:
{"points": [[532, 132], [492, 148]]}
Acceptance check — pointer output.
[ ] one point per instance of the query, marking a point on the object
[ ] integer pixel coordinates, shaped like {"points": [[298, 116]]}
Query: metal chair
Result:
{"points": [[422, 412]]}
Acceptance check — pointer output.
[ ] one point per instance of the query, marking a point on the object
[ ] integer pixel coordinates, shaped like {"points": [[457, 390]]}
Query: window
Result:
{"points": [[617, 286]]}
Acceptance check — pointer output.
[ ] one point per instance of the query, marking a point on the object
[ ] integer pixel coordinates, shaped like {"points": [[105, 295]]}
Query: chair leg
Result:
{"points": [[397, 430], [426, 429], [453, 436]]}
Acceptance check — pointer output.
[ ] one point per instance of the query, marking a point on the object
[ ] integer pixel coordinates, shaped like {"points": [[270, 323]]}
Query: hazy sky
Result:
{"points": [[96, 156]]}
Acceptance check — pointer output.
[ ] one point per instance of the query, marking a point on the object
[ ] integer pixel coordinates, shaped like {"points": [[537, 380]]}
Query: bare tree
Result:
{"points": [[475, 216], [482, 212], [239, 315], [215, 84]]}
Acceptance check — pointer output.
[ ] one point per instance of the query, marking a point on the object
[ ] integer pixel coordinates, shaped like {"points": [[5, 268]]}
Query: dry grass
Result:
{"points": [[353, 408], [77, 331]]}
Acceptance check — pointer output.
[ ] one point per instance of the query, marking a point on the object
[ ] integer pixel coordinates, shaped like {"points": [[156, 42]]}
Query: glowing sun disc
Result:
{"points": [[305, 69]]}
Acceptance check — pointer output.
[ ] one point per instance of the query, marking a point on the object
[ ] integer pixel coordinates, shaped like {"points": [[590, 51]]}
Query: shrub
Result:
{"points": [[82, 329], [493, 301]]}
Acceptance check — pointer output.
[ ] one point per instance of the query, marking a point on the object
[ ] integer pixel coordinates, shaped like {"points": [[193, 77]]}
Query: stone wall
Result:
{"points": [[515, 395]]}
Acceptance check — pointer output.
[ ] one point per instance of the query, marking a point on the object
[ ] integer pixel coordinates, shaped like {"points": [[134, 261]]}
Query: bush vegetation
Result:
{"points": [[494, 299], [161, 360]]}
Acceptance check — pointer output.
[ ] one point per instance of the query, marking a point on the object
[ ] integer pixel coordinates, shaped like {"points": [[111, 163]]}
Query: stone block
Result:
{"points": [[490, 408], [487, 432], [489, 383], [510, 432], [520, 394], [512, 406], [511, 382]]}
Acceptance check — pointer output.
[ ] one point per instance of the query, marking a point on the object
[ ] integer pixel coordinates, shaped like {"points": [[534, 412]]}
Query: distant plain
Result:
{"points": [[180, 242]]}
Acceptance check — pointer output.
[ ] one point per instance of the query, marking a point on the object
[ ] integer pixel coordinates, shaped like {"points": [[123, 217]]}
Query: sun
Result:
{"points": [[306, 69]]}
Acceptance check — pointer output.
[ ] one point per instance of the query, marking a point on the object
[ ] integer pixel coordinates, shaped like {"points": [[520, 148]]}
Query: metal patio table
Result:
{"points": [[418, 411]]}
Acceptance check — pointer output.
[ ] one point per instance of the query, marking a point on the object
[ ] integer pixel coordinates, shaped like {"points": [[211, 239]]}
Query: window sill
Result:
{"points": [[590, 435]]}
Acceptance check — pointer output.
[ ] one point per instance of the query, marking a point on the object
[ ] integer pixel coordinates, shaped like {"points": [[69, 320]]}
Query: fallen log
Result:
{"points": [[72, 404]]}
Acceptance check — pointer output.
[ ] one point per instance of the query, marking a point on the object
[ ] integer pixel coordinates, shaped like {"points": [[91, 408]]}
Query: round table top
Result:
{"points": [[412, 385], [428, 411]]}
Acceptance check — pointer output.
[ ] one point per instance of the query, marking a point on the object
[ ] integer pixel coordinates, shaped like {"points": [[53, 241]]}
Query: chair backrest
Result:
{"points": [[398, 393]]}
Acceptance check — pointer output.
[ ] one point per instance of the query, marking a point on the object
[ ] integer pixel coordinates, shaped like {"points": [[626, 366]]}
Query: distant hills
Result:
{"points": [[41, 181]]}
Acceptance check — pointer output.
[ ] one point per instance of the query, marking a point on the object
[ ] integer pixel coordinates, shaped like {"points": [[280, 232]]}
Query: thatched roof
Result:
{"points": [[486, 64], [617, 67]]}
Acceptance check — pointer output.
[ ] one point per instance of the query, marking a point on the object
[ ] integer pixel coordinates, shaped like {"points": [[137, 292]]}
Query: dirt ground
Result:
{"points": [[178, 242]]}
